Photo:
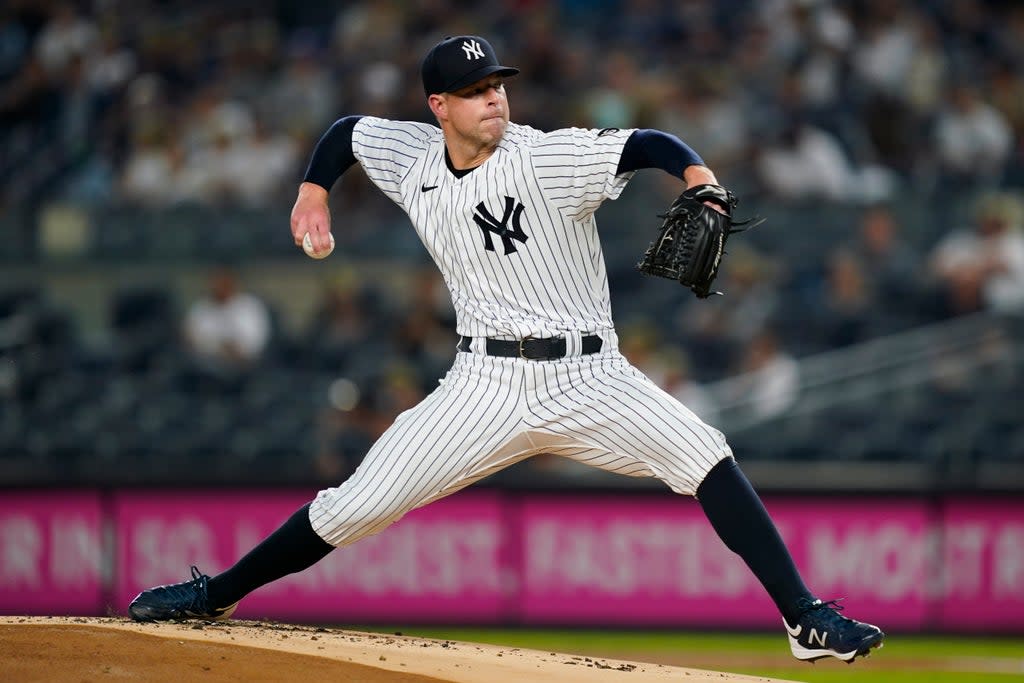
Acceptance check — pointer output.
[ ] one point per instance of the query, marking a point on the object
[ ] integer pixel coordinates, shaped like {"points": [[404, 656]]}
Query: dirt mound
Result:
{"points": [[77, 649]]}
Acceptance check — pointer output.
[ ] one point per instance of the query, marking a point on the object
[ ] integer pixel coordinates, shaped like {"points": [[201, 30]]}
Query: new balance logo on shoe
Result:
{"points": [[821, 632], [815, 636]]}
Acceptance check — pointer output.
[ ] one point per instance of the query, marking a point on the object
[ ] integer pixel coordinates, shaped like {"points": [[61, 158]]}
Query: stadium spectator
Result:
{"points": [[891, 268], [111, 66], [973, 140], [982, 267], [801, 160], [675, 377], [301, 94], [227, 329], [717, 333], [616, 100], [703, 110], [845, 305], [1007, 95], [769, 377], [152, 174], [262, 166], [67, 36], [342, 324]]}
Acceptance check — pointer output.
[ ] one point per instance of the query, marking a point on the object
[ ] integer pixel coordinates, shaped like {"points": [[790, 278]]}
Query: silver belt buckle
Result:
{"points": [[522, 342]]}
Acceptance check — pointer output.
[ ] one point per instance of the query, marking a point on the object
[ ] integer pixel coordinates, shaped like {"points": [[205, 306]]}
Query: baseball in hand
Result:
{"points": [[307, 246]]}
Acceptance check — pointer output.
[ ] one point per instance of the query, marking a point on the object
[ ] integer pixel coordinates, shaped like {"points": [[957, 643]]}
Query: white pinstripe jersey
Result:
{"points": [[515, 239]]}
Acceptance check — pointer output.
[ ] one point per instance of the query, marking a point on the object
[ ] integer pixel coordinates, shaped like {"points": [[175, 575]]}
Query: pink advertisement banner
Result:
{"points": [[488, 557], [445, 562], [623, 560], [51, 553], [956, 566], [907, 565], [978, 583]]}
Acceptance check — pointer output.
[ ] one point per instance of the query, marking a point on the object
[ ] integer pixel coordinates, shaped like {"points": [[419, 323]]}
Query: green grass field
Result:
{"points": [[904, 659]]}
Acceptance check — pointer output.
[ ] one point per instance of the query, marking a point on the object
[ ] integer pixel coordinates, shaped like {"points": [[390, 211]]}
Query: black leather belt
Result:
{"points": [[533, 348]]}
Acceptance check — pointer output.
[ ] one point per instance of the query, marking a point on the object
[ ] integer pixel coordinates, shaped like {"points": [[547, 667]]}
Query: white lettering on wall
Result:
{"points": [[76, 553], [655, 558], [51, 553], [21, 549], [1008, 563], [961, 570], [887, 561], [162, 551], [446, 558]]}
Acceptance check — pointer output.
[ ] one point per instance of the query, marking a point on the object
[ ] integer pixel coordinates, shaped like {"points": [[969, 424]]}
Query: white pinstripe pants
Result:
{"points": [[491, 412]]}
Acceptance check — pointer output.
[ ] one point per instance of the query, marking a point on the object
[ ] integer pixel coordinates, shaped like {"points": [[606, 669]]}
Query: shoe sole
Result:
{"points": [[870, 643], [150, 614]]}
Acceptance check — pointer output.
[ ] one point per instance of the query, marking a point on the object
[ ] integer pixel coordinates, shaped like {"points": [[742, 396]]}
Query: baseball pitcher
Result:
{"points": [[507, 214]]}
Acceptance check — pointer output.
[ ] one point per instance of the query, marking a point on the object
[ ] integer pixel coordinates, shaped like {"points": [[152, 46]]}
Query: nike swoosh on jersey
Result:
{"points": [[427, 188], [795, 632]]}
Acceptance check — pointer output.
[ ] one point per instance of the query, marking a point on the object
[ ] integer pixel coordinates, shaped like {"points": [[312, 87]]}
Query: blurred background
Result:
{"points": [[159, 329], [152, 302]]}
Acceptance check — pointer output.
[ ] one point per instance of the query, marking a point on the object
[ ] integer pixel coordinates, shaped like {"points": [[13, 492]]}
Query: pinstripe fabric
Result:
{"points": [[556, 280], [613, 417], [489, 413], [547, 279], [467, 428]]}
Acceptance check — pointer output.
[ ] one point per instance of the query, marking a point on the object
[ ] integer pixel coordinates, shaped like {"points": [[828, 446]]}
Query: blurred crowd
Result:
{"points": [[218, 376], [159, 103], [866, 108]]}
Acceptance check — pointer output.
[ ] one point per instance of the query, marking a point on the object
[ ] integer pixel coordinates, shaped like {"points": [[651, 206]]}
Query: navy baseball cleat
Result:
{"points": [[186, 600], [822, 632]]}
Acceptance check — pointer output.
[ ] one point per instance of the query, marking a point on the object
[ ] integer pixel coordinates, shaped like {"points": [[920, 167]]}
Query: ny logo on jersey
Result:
{"points": [[472, 49], [488, 223]]}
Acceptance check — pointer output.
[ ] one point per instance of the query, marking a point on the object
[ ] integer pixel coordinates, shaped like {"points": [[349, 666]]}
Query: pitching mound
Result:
{"points": [[93, 649]]}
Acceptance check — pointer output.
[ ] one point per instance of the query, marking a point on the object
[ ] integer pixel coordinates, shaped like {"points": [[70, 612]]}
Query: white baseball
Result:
{"points": [[307, 246]]}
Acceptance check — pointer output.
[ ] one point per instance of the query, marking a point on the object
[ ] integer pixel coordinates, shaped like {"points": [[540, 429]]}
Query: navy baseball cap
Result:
{"points": [[459, 61]]}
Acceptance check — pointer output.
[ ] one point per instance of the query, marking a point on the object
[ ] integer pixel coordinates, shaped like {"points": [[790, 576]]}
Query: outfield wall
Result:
{"points": [[494, 557]]}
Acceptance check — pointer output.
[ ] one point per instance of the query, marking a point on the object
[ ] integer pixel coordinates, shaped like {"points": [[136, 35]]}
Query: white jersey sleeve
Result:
{"points": [[387, 150], [576, 167]]}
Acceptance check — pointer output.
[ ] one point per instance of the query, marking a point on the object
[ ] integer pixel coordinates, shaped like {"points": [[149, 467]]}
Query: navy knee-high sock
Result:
{"points": [[738, 515], [292, 548]]}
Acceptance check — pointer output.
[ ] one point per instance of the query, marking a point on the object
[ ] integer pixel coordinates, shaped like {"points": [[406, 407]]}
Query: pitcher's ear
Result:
{"points": [[438, 106]]}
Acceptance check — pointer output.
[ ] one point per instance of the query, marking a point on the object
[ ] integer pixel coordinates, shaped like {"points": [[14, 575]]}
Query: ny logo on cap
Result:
{"points": [[472, 49]]}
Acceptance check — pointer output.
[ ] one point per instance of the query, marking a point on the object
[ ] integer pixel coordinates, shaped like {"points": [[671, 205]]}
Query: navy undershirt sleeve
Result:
{"points": [[649, 148], [333, 154]]}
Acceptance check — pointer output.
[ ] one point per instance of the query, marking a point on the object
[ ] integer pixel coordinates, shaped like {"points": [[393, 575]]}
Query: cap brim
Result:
{"points": [[482, 72]]}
